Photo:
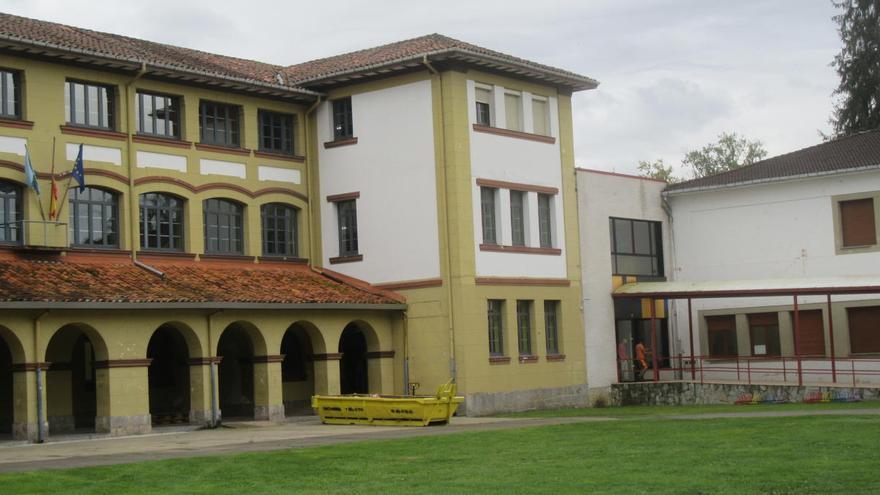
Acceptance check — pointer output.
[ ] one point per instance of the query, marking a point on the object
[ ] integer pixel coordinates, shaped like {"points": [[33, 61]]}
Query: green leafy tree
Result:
{"points": [[858, 65], [730, 152], [657, 170]]}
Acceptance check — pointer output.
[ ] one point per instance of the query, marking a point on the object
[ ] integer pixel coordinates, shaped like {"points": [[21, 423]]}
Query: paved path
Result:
{"points": [[298, 433]]}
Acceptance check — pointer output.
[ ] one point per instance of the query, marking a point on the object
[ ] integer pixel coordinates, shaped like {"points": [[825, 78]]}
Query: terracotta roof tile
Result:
{"points": [[122, 282]]}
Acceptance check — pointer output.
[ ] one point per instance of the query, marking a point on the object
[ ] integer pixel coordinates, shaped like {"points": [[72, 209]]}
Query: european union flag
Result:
{"points": [[78, 173]]}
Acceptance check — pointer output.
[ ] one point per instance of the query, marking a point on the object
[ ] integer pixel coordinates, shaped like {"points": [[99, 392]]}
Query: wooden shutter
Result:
{"points": [[857, 222], [812, 332], [864, 329]]}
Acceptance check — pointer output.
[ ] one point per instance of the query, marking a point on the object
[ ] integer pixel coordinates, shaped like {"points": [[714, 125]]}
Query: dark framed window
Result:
{"points": [[722, 335], [346, 212], [89, 105], [342, 122], [158, 115], [94, 218], [764, 334], [551, 326], [10, 213], [864, 329], [857, 222], [487, 208], [279, 229], [224, 233], [10, 94], [276, 132], [484, 105], [495, 314], [524, 327], [161, 222], [545, 220], [219, 124], [518, 218], [636, 247]]}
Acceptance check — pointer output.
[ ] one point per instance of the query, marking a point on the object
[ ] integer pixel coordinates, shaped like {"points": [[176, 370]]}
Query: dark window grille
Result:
{"points": [[94, 218], [10, 94], [545, 220], [10, 213], [223, 227], [219, 124], [158, 115], [517, 218], [89, 105], [487, 205], [551, 326], [347, 220], [524, 327], [496, 327], [342, 121], [276, 132], [161, 221], [636, 247], [279, 230]]}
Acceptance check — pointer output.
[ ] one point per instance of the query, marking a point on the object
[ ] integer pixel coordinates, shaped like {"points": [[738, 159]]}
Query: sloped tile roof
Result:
{"points": [[847, 153], [24, 280]]}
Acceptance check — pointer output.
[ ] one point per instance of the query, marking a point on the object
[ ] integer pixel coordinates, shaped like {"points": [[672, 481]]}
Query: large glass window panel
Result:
{"points": [[487, 208], [347, 223], [93, 218], [161, 222], [88, 105], [10, 213], [496, 327], [517, 218], [10, 94]]}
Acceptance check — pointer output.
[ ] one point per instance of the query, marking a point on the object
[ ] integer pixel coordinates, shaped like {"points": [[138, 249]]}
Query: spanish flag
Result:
{"points": [[53, 200]]}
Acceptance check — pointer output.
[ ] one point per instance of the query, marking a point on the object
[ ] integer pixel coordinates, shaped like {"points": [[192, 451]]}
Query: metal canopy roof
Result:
{"points": [[748, 288]]}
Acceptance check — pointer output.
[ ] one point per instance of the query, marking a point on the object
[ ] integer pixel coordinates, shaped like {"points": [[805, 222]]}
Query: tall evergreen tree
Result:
{"points": [[858, 64]]}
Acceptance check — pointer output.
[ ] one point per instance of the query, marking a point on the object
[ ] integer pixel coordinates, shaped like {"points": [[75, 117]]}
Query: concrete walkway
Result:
{"points": [[297, 433]]}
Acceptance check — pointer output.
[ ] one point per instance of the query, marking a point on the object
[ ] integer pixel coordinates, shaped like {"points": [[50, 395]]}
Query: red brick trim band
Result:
{"points": [[517, 186], [515, 134], [555, 357], [380, 354], [336, 356], [96, 133], [223, 149], [276, 358], [33, 366], [16, 124], [520, 249], [202, 361], [333, 198], [533, 282], [160, 141], [217, 185], [227, 257], [123, 363], [346, 259], [282, 259], [499, 360], [528, 359], [411, 284], [340, 142], [279, 156]]}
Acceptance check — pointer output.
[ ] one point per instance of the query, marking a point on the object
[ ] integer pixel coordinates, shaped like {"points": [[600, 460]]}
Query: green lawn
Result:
{"points": [[813, 454]]}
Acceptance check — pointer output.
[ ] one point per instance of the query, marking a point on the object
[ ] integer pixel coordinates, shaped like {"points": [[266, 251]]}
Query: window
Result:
{"points": [[517, 218], [158, 115], [342, 126], [161, 221], [722, 335], [545, 220], [94, 218], [89, 105], [223, 227], [219, 124], [10, 213], [484, 105], [636, 247], [496, 327], [279, 229], [487, 208], [551, 326], [540, 119], [858, 227], [524, 327], [276, 132], [513, 111], [347, 221], [864, 329], [764, 334], [10, 94]]}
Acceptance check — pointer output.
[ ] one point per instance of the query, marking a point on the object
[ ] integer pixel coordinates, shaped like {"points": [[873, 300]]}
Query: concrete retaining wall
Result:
{"points": [[686, 393], [484, 404]]}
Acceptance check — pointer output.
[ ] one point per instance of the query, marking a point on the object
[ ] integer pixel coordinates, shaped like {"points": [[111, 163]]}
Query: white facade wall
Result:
{"points": [[600, 197], [510, 159], [393, 167]]}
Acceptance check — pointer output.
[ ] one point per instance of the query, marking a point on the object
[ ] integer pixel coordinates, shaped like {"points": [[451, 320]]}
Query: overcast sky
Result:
{"points": [[674, 73]]}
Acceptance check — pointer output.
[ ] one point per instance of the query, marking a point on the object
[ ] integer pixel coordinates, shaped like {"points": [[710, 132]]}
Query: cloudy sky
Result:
{"points": [[674, 73]]}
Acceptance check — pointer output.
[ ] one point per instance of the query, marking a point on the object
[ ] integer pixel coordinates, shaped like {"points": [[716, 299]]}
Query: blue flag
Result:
{"points": [[78, 173], [30, 177]]}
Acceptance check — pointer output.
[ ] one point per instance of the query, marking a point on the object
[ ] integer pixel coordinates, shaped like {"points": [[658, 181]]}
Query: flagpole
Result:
{"points": [[67, 189]]}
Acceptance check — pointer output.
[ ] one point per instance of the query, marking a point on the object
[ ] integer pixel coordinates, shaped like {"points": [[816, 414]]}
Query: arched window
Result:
{"points": [[161, 222], [10, 213], [223, 227], [279, 230], [94, 218]]}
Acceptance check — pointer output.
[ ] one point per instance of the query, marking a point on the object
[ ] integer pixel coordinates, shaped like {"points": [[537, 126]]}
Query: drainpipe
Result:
{"points": [[309, 166], [132, 200], [451, 329], [41, 434], [212, 364]]}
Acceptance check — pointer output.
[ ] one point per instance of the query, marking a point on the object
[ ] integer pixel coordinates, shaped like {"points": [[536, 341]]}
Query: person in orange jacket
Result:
{"points": [[641, 360]]}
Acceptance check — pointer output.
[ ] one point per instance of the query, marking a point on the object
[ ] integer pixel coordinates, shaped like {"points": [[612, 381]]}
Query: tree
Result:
{"points": [[858, 65], [657, 170], [730, 152]]}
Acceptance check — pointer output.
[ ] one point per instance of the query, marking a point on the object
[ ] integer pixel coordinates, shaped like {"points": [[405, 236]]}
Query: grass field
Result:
{"points": [[636, 411], [812, 454]]}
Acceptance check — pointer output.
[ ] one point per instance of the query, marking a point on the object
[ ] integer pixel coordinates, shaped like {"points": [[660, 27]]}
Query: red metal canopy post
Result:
{"points": [[797, 340], [654, 339], [831, 340], [691, 335]]}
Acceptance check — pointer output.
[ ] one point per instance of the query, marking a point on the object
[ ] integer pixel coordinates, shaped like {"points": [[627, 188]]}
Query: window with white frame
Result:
{"points": [[545, 220], [487, 210], [518, 218], [540, 117], [483, 97], [513, 110]]}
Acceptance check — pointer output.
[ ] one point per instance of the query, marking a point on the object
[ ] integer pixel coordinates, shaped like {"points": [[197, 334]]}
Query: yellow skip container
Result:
{"points": [[388, 410]]}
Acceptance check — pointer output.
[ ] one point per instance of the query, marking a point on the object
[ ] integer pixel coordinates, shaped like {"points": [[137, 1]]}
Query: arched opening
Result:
{"points": [[71, 381], [236, 373], [297, 371], [6, 394], [168, 377], [353, 365]]}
